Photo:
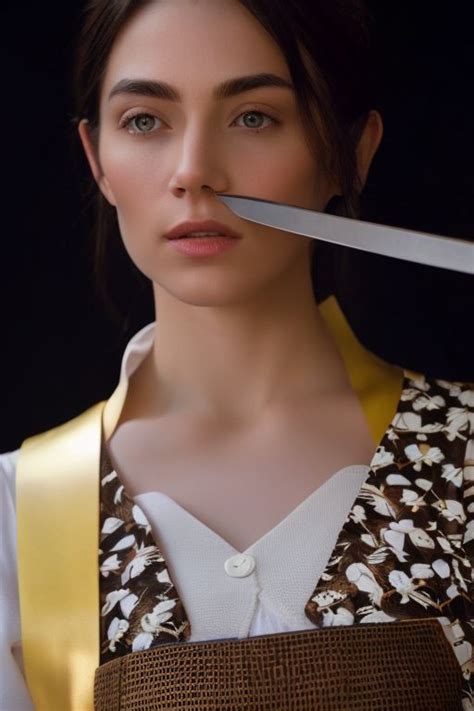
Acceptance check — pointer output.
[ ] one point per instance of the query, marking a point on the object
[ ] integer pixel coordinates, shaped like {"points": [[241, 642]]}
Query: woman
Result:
{"points": [[240, 495]]}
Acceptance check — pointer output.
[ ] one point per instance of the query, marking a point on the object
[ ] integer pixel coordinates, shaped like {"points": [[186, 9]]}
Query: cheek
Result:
{"points": [[133, 183], [289, 173], [133, 175], [304, 182]]}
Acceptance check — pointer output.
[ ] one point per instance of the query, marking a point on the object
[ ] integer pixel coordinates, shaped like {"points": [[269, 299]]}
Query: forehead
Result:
{"points": [[193, 44]]}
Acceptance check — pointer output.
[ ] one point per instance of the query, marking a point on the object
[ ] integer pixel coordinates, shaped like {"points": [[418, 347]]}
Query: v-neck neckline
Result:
{"points": [[278, 527]]}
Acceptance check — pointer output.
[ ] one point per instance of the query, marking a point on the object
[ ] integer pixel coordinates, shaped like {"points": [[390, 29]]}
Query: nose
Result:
{"points": [[200, 165]]}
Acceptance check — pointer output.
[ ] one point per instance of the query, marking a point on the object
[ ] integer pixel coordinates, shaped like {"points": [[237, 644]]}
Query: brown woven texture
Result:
{"points": [[396, 666]]}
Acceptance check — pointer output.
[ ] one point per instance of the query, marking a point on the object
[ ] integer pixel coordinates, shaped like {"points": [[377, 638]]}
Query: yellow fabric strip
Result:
{"points": [[377, 384], [113, 408], [58, 512], [57, 492]]}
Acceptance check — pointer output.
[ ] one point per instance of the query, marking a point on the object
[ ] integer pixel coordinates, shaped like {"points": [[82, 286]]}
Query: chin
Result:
{"points": [[213, 293]]}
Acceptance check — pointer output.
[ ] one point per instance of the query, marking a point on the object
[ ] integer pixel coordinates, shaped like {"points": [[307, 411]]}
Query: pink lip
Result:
{"points": [[203, 246], [184, 228]]}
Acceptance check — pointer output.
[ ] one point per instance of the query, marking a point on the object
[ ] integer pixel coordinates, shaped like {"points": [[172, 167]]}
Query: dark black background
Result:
{"points": [[60, 351]]}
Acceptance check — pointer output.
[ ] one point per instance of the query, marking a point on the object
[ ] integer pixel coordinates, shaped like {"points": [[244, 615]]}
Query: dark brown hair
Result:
{"points": [[330, 48]]}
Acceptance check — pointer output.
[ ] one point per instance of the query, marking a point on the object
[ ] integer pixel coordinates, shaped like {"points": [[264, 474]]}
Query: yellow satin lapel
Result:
{"points": [[377, 384], [58, 513], [57, 493], [113, 408]]}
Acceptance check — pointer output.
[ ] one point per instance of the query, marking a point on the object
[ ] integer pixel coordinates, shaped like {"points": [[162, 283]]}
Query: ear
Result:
{"points": [[368, 144], [91, 150]]}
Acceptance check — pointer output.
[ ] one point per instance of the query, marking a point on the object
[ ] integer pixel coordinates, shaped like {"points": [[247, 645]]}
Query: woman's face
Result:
{"points": [[162, 160]]}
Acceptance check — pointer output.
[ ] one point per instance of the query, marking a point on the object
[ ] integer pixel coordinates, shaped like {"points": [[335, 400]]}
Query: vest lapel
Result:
{"points": [[402, 552], [139, 605]]}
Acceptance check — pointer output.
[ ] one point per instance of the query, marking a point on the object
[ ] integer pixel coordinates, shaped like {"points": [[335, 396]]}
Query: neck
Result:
{"points": [[237, 361]]}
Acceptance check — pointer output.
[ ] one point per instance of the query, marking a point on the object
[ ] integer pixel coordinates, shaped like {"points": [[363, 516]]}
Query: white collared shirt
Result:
{"points": [[263, 589]]}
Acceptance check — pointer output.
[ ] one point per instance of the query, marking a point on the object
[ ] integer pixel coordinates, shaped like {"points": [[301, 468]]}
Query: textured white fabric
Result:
{"points": [[14, 694], [289, 561]]}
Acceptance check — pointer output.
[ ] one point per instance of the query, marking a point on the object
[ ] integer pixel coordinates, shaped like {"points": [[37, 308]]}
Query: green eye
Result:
{"points": [[255, 119], [144, 122], [140, 123]]}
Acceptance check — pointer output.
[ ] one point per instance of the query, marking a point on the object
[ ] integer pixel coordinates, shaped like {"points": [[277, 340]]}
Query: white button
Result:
{"points": [[240, 565]]}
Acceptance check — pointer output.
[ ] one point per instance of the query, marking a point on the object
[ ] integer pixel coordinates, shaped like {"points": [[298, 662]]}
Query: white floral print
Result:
{"points": [[143, 556], [423, 454], [116, 631]]}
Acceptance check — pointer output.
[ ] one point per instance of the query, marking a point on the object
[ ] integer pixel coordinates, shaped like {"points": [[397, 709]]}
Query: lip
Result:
{"points": [[183, 228], [198, 247]]}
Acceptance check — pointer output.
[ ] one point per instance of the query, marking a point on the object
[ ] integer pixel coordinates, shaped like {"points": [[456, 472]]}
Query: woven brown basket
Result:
{"points": [[398, 666]]}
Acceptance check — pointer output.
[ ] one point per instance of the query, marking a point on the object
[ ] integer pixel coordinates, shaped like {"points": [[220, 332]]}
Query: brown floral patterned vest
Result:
{"points": [[405, 550]]}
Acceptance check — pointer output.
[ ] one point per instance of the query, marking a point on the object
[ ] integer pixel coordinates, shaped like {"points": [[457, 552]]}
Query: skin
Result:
{"points": [[240, 337]]}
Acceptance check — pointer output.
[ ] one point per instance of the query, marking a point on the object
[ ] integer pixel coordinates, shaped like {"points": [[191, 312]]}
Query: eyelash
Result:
{"points": [[125, 123]]}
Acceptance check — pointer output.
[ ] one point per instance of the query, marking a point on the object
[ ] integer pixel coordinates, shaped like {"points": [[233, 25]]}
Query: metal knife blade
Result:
{"points": [[410, 245]]}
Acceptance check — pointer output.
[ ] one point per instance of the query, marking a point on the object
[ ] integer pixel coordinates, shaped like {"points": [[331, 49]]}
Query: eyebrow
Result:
{"points": [[226, 90]]}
